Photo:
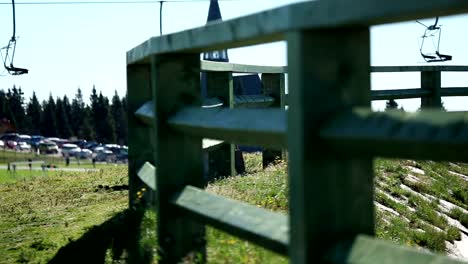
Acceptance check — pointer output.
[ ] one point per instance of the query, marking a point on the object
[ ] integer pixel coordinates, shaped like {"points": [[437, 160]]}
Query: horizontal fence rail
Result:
{"points": [[258, 127], [265, 228], [424, 135]]}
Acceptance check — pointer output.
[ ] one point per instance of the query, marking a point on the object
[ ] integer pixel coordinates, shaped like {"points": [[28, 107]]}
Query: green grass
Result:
{"points": [[39, 214], [7, 156]]}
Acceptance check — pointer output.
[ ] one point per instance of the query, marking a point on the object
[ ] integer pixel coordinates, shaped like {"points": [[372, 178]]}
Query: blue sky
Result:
{"points": [[71, 46]]}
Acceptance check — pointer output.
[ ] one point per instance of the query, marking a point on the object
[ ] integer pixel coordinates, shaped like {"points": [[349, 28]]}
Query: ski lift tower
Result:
{"points": [[225, 160]]}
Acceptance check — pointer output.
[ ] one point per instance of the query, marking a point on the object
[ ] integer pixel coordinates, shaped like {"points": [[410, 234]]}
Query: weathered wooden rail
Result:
{"points": [[329, 131]]}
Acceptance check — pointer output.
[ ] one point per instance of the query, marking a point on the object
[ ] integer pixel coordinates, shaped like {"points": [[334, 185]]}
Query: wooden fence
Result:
{"points": [[329, 131]]}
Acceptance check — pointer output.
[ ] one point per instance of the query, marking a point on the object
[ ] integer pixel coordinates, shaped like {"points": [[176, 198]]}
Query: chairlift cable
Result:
{"points": [[113, 2]]}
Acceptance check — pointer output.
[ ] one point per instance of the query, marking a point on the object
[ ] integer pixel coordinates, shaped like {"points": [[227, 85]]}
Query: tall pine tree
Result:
{"points": [[78, 115], [63, 127], [33, 111], [48, 119], [16, 107], [119, 117], [105, 128]]}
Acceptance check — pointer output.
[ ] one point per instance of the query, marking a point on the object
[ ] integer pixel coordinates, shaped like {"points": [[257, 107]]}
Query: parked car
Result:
{"points": [[10, 140], [122, 155], [75, 152], [11, 144], [48, 147], [35, 140], [105, 155], [90, 145], [79, 142], [23, 146], [9, 136], [68, 149], [86, 154], [23, 138]]}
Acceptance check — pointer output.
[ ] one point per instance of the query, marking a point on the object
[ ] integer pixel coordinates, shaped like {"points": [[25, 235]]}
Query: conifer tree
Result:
{"points": [[78, 115], [16, 108], [48, 119], [33, 111], [63, 126], [119, 117], [105, 130]]}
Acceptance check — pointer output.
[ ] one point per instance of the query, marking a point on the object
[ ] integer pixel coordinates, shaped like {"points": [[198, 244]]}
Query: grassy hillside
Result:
{"points": [[420, 204]]}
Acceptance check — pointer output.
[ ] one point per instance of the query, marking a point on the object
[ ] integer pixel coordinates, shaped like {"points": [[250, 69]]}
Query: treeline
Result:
{"points": [[103, 120]]}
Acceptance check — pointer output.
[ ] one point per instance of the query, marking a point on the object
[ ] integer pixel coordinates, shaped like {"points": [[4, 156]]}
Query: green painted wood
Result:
{"points": [[399, 94], [331, 197], [431, 80], [260, 226], [219, 160], [146, 113], [450, 68], [454, 91], [233, 147], [368, 250], [141, 149], [283, 104], [147, 174], [271, 25], [240, 68], [433, 135], [254, 101], [176, 84], [258, 127], [271, 87], [140, 137], [212, 102]]}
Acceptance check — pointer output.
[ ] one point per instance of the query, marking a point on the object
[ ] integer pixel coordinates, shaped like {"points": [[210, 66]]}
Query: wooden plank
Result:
{"points": [[431, 80], [364, 249], [219, 160], [141, 148], [433, 135], [240, 68], [271, 25], [212, 102], [399, 94], [253, 101], [176, 84], [271, 84], [145, 113], [331, 197], [451, 68], [258, 127], [147, 174], [260, 226], [454, 91], [140, 139]]}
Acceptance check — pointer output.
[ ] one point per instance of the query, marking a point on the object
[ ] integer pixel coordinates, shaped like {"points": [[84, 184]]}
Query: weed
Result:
{"points": [[459, 215]]}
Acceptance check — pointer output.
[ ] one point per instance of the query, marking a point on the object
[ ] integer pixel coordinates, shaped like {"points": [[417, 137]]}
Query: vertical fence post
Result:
{"points": [[176, 84], [331, 195], [431, 80], [139, 151], [272, 86], [219, 84]]}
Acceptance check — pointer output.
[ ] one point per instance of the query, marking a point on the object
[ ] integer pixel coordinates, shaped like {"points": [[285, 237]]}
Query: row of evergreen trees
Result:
{"points": [[102, 120]]}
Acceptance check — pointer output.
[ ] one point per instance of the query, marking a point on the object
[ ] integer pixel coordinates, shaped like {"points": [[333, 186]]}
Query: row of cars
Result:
{"points": [[67, 148]]}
